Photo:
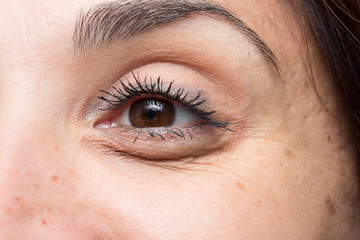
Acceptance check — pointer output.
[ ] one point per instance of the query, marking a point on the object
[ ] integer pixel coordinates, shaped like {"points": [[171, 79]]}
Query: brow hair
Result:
{"points": [[121, 20]]}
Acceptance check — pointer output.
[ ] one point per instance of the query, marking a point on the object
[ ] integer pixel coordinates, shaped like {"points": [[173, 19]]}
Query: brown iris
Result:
{"points": [[151, 112]]}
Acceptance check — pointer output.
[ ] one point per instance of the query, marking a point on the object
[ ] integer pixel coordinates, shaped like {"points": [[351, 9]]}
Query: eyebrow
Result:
{"points": [[122, 19]]}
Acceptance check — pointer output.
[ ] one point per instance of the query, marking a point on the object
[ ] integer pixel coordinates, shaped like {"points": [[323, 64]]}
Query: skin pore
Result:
{"points": [[73, 169]]}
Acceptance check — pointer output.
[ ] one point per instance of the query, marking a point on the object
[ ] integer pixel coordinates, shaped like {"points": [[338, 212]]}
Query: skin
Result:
{"points": [[288, 172]]}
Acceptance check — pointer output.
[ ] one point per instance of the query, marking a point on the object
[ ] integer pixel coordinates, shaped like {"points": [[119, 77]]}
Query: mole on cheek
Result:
{"points": [[330, 205]]}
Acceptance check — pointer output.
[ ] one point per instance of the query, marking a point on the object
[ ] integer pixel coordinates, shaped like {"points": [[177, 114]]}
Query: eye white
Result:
{"points": [[183, 117]]}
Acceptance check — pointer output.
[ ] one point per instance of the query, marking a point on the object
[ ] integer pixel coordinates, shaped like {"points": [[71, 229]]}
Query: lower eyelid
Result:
{"points": [[120, 143]]}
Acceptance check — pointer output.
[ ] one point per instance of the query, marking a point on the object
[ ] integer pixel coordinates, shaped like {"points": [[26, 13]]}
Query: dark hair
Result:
{"points": [[335, 25]]}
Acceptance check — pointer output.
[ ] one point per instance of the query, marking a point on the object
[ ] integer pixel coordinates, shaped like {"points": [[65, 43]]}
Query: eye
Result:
{"points": [[154, 112], [156, 108]]}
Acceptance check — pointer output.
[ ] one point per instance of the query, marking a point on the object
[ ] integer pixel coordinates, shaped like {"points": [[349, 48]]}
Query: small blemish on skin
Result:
{"points": [[17, 199], [288, 153], [258, 204], [329, 139], [9, 210], [240, 186], [330, 205], [54, 178], [43, 222]]}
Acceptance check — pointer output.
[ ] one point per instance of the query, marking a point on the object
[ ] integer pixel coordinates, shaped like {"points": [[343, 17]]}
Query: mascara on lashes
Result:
{"points": [[150, 88]]}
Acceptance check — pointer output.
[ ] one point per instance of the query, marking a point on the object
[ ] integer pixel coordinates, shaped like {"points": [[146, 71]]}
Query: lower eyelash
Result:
{"points": [[181, 132], [185, 133]]}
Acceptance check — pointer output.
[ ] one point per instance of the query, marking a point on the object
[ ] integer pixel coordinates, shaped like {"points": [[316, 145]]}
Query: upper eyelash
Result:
{"points": [[148, 86]]}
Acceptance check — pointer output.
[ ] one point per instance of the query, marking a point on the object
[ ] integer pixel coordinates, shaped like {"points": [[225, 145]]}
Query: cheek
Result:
{"points": [[36, 197], [216, 203]]}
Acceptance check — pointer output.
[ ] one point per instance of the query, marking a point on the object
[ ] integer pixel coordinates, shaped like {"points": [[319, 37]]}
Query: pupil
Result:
{"points": [[151, 113]]}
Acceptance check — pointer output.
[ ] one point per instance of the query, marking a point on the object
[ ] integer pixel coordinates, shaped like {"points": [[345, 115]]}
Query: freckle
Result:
{"points": [[43, 222], [330, 205], [36, 186], [17, 199], [240, 186], [49, 209], [329, 139], [9, 210], [54, 178]]}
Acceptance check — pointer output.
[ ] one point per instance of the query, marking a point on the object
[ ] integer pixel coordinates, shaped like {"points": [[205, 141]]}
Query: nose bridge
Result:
{"points": [[23, 159], [35, 200], [27, 160], [21, 197]]}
